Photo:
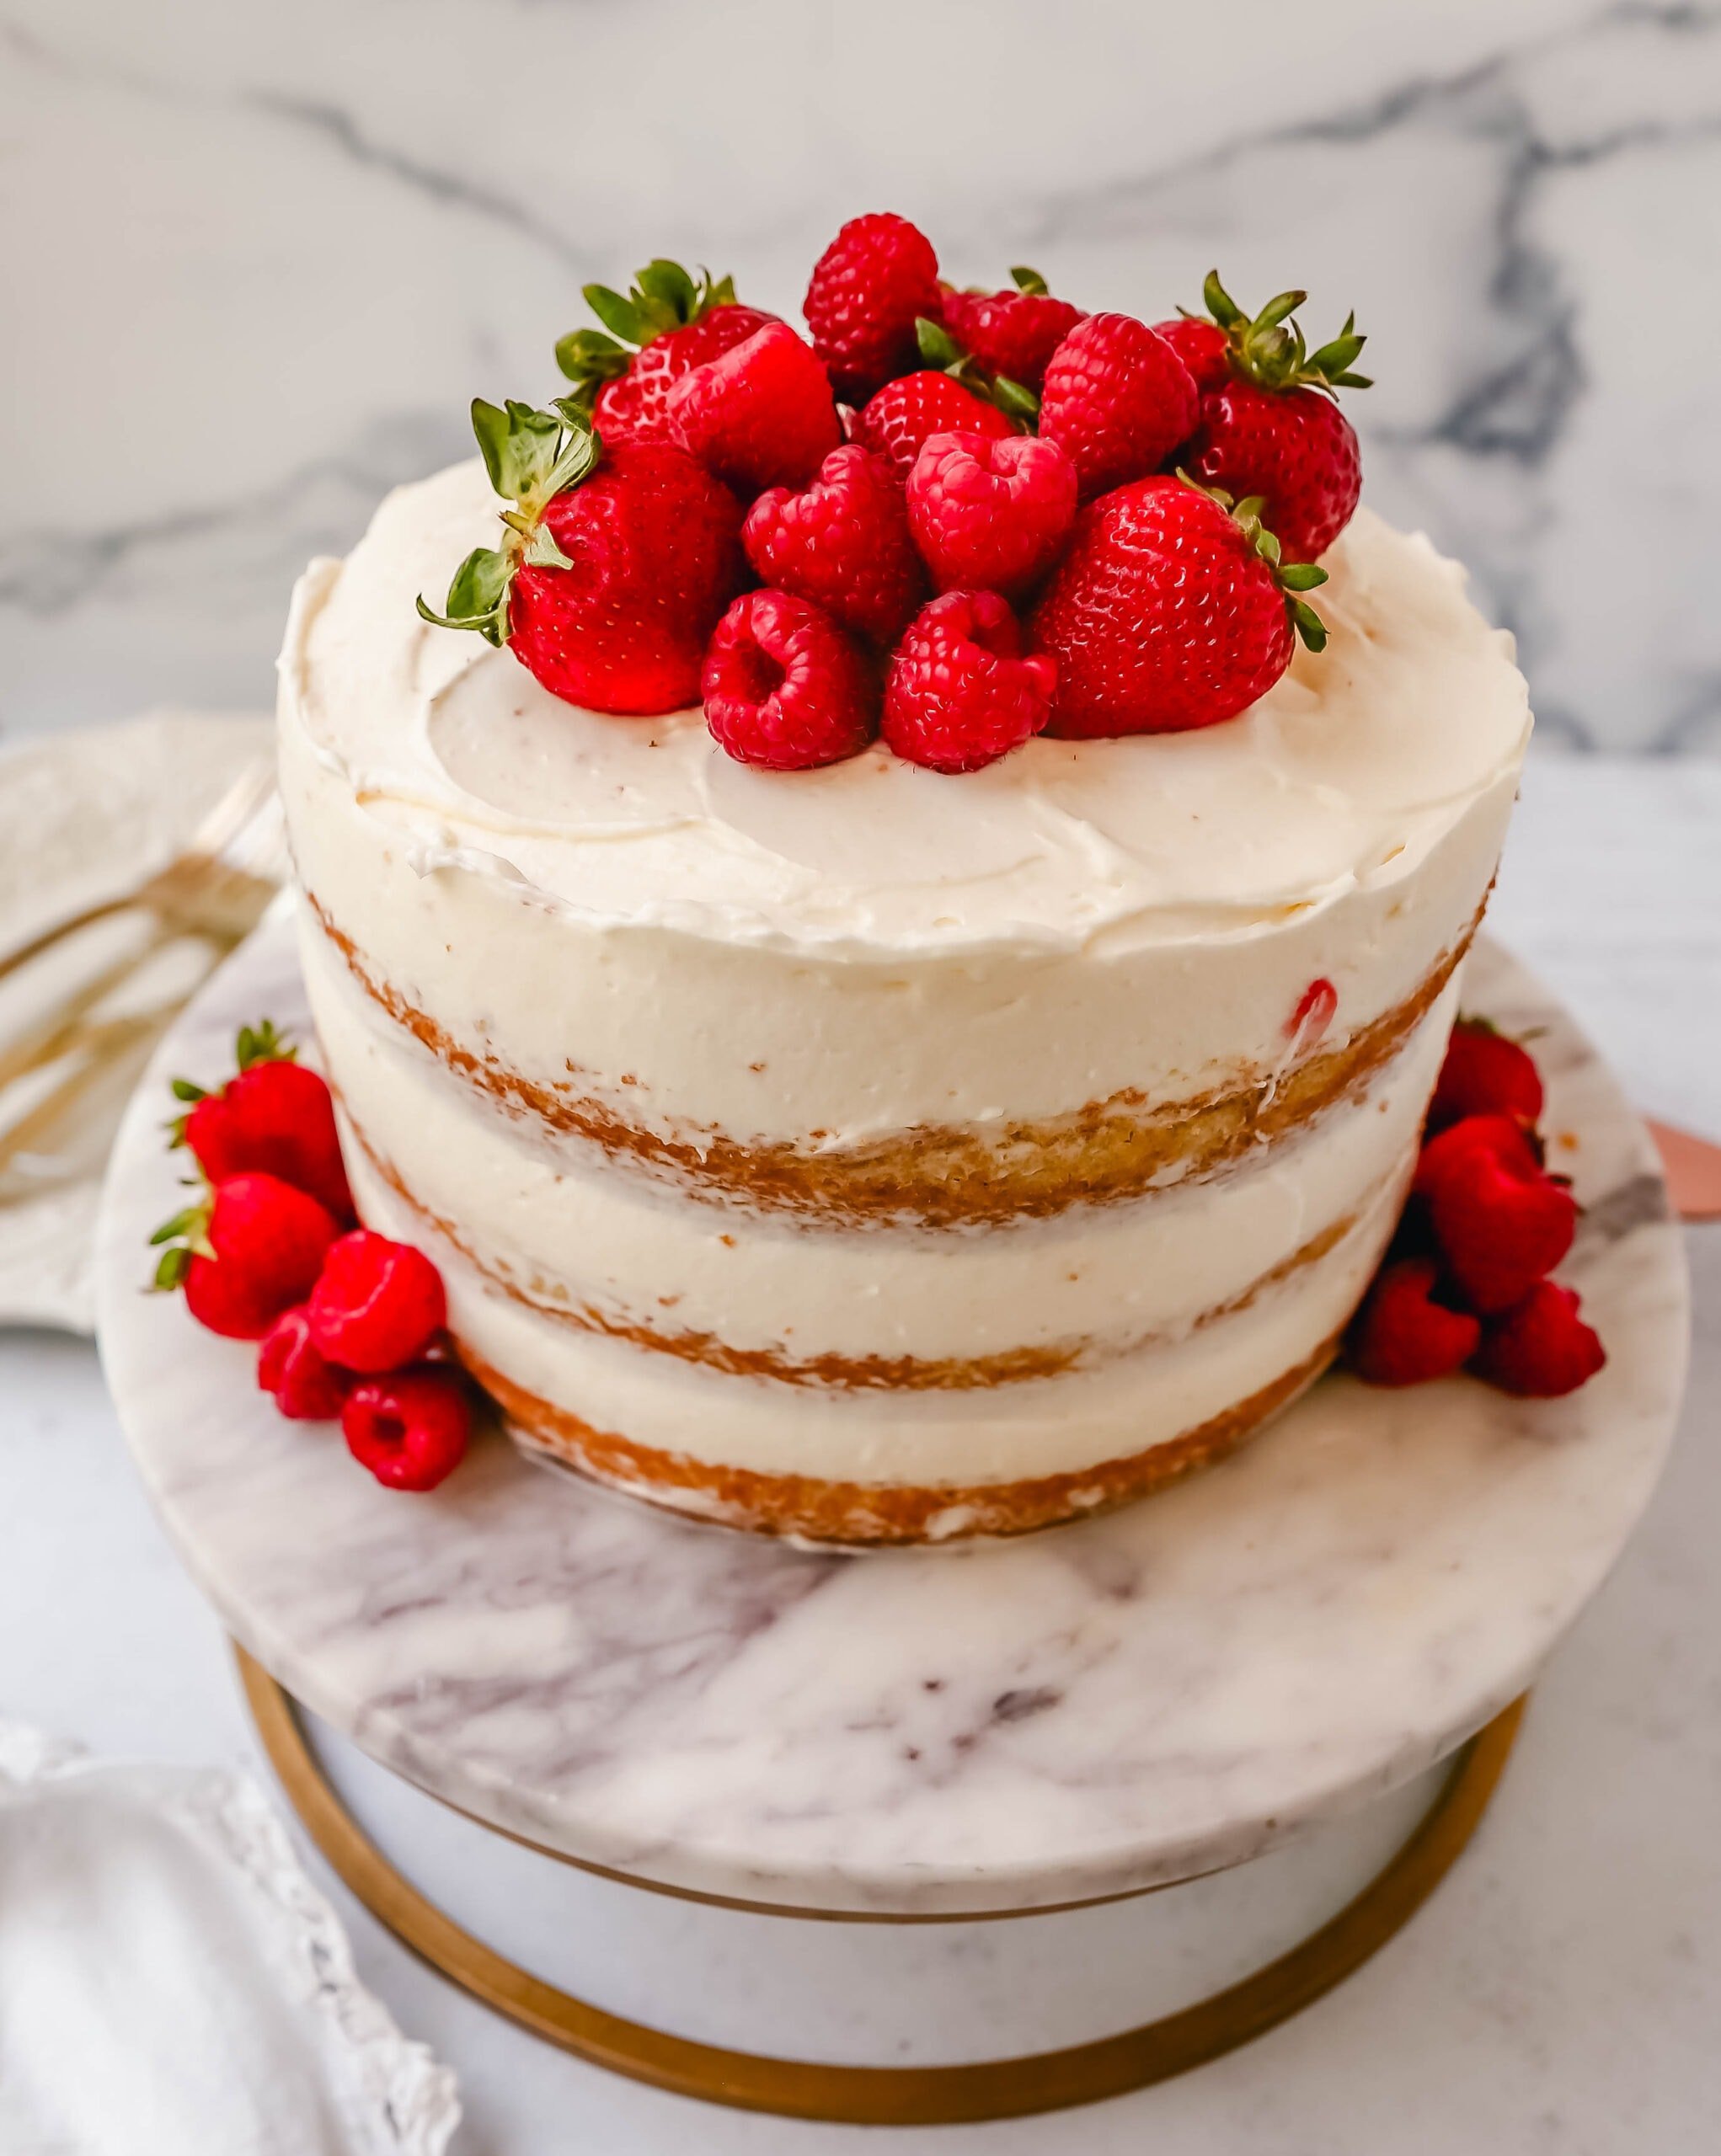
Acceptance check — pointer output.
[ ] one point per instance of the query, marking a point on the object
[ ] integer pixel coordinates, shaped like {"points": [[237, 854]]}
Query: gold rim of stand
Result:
{"points": [[891, 2095]]}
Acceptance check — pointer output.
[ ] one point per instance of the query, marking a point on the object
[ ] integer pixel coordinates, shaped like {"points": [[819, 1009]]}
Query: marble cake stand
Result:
{"points": [[536, 1696]]}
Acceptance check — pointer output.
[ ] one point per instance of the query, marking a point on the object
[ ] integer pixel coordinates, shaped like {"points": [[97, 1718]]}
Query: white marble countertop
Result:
{"points": [[1560, 1993]]}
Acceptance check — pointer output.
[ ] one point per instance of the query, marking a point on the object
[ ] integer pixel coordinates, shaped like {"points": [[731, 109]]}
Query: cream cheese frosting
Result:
{"points": [[1348, 773], [514, 905]]}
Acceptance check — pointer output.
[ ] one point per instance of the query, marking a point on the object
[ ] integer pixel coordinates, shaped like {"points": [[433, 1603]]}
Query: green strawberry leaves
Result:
{"points": [[664, 296], [532, 456], [940, 350], [1293, 579], [1269, 348]]}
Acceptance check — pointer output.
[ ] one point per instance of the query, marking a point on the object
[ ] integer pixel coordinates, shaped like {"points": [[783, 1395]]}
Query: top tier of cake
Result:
{"points": [[1380, 770]]}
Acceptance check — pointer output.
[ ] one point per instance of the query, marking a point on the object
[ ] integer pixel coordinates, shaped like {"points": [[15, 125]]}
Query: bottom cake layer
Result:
{"points": [[807, 1509]]}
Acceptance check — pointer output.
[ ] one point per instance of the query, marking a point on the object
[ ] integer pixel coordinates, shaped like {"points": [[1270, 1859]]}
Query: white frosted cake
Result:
{"points": [[867, 1154]]}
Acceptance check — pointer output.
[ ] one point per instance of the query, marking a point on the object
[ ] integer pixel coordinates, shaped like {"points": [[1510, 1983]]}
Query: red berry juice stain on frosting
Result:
{"points": [[1312, 1016]]}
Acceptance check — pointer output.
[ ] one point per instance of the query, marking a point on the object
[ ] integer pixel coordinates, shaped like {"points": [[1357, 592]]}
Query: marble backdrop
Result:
{"points": [[257, 256]]}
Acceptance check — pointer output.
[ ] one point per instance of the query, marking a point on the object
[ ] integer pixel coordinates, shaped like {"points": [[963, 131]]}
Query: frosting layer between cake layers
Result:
{"points": [[864, 1153]]}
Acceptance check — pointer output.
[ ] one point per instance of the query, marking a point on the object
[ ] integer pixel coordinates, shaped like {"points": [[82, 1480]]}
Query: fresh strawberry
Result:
{"points": [[308, 1387], [786, 687], [1504, 1137], [960, 693], [1203, 347], [897, 423], [665, 325], [411, 1428], [869, 288], [1011, 334], [989, 513], [274, 1115], [1500, 1227], [1484, 1074], [1540, 1348], [1272, 427], [760, 414], [376, 1304], [245, 1252], [1168, 610], [1117, 400], [1402, 1336], [843, 543], [611, 572]]}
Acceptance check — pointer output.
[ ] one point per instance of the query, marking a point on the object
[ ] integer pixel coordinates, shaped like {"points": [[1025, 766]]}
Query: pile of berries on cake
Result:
{"points": [[953, 519], [351, 1325], [1466, 1282]]}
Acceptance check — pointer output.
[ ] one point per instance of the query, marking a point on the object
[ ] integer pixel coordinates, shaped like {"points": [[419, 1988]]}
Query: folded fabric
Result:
{"points": [[172, 1983]]}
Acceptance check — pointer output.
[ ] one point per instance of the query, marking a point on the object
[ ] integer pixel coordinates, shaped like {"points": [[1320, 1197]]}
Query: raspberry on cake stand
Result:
{"points": [[502, 1708]]}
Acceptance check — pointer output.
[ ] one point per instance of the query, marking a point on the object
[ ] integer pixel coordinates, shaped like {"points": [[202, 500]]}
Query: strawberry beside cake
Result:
{"points": [[898, 968]]}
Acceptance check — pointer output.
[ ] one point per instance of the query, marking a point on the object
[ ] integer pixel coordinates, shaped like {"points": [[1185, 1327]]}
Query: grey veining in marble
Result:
{"points": [[293, 242], [1098, 1707]]}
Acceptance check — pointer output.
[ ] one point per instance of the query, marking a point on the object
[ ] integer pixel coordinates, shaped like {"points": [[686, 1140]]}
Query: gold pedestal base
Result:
{"points": [[893, 2095]]}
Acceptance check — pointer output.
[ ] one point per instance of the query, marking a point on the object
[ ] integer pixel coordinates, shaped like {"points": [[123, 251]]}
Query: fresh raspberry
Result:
{"points": [[1500, 1227], [308, 1387], [1294, 448], [275, 1115], [411, 1428], [959, 694], [1504, 1137], [1011, 334], [843, 543], [760, 414], [898, 421], [867, 289], [989, 512], [1484, 1074], [666, 323], [1402, 1336], [247, 1253], [634, 406], [377, 1304], [1540, 1348], [612, 571], [1165, 613], [1269, 426], [1117, 399], [786, 687], [1203, 347]]}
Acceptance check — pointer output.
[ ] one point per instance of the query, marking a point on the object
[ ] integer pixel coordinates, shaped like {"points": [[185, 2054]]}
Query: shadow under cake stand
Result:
{"points": [[1219, 1745]]}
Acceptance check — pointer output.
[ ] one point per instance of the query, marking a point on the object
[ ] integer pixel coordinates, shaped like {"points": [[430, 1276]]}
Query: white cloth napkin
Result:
{"points": [[172, 1984]]}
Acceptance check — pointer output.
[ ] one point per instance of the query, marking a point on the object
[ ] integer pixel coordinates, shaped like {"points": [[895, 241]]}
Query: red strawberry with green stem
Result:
{"points": [[1010, 333], [1272, 425], [1117, 400], [615, 565], [760, 414], [1169, 610], [275, 1115], [867, 289], [668, 323], [249, 1249]]}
